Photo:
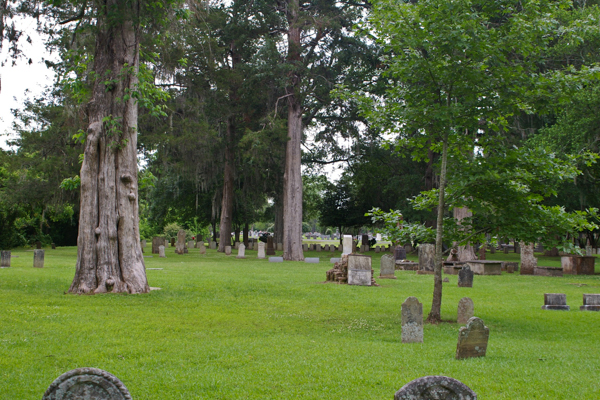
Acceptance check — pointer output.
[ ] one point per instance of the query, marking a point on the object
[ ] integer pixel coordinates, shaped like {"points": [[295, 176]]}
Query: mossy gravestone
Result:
{"points": [[435, 388], [412, 321], [472, 339], [87, 384]]}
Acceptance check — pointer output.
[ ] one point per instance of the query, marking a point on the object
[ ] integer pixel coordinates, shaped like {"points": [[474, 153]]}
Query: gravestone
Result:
{"points": [[377, 249], [173, 240], [426, 257], [548, 271], [212, 245], [387, 267], [510, 266], [465, 277], [143, 243], [327, 247], [261, 250], [161, 251], [591, 302], [38, 245], [311, 260], [400, 253], [364, 240], [227, 250], [528, 261], [318, 246], [435, 388], [578, 265], [236, 245], [347, 245], [378, 237], [5, 259], [485, 267], [270, 248], [276, 259], [304, 247], [555, 301], [38, 258], [87, 384], [280, 246], [412, 321], [180, 246], [359, 270], [446, 280], [191, 244], [466, 309], [472, 339], [202, 247], [156, 241], [482, 252], [53, 245], [241, 251]]}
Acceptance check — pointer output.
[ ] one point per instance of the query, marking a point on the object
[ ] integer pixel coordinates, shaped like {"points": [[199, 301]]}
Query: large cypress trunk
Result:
{"points": [[228, 192], [292, 178], [109, 255]]}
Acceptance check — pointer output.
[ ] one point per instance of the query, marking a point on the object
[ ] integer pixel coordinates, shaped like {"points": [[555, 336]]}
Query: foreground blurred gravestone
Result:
{"points": [[472, 339], [435, 388], [87, 384], [412, 321]]}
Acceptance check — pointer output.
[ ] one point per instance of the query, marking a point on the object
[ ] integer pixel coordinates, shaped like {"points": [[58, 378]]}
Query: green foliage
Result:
{"points": [[398, 231], [171, 230]]}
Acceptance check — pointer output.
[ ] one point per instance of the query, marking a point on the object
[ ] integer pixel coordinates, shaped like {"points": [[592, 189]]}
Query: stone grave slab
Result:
{"points": [[359, 270], [161, 251], [472, 339], [276, 259], [510, 266], [407, 265], [38, 258], [347, 249], [5, 259], [577, 265], [548, 271], [261, 250], [387, 267], [485, 267], [87, 384], [241, 251], [555, 301], [412, 321], [465, 277], [311, 260], [591, 302], [435, 388]]}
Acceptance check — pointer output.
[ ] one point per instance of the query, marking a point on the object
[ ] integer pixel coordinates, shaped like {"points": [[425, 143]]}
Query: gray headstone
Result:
{"points": [[87, 384], [377, 249], [161, 251], [304, 247], [202, 247], [179, 249], [312, 260], [38, 258], [191, 244], [241, 251], [400, 253], [276, 259], [261, 250], [387, 267], [359, 270], [591, 302], [5, 259], [472, 339], [426, 257], [435, 388], [334, 260], [156, 241], [212, 245], [466, 309], [227, 250], [53, 245], [412, 321], [347, 244], [143, 243], [279, 246], [555, 301], [465, 277], [326, 247]]}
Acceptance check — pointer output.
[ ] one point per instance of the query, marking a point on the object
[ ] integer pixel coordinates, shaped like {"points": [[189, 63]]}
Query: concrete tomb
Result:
{"points": [[412, 321], [38, 258], [555, 301], [261, 250], [435, 388], [359, 270], [5, 259], [472, 339], [548, 271], [87, 384], [466, 309], [577, 265], [465, 277], [387, 267], [483, 267], [591, 302]]}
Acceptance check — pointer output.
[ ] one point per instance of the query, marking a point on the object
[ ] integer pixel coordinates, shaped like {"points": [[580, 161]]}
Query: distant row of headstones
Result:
{"points": [[38, 258], [96, 384], [558, 301]]}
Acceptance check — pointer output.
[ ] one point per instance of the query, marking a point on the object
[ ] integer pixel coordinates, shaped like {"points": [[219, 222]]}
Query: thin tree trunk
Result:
{"points": [[292, 178], [245, 234], [228, 190], [435, 315], [278, 225], [109, 256]]}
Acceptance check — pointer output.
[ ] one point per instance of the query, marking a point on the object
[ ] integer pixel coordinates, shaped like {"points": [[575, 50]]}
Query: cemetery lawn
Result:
{"points": [[223, 328]]}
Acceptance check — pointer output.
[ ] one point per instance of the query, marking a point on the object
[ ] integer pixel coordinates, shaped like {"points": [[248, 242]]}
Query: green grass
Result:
{"points": [[223, 328]]}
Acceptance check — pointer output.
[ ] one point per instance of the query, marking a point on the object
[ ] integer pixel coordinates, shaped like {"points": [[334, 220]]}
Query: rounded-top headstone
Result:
{"points": [[87, 384], [435, 387]]}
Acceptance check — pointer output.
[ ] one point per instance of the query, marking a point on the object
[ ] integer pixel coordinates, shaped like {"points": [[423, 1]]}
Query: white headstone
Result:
{"points": [[261, 250], [378, 237], [241, 251], [161, 251], [347, 244]]}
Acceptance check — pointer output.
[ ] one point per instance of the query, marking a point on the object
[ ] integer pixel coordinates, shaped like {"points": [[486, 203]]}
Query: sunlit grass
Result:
{"points": [[223, 328]]}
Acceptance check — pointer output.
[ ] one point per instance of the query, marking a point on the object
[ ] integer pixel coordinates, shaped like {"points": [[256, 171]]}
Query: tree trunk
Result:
{"points": [[466, 252], [292, 177], [278, 225], [435, 315], [109, 256], [245, 234], [228, 190]]}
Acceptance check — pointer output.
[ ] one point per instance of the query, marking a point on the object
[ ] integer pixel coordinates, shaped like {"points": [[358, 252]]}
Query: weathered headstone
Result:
{"points": [[304, 247], [578, 265], [555, 301], [312, 260], [212, 245], [38, 258], [156, 241], [261, 250], [466, 309], [377, 249], [387, 267], [87, 384], [472, 339], [180, 242], [591, 302], [161, 251], [280, 246], [38, 245], [588, 250], [548, 271], [400, 253], [202, 247], [241, 251], [318, 246], [5, 259], [412, 321], [364, 240], [227, 250], [326, 247], [528, 261], [347, 244], [173, 241], [53, 245], [270, 248], [143, 243], [435, 388], [191, 244], [426, 257], [465, 277], [482, 252], [359, 270]]}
